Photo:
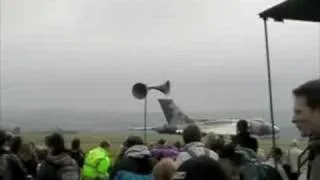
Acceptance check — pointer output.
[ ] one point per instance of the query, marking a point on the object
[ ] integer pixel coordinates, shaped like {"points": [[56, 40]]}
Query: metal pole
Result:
{"points": [[269, 83], [319, 50], [145, 121]]}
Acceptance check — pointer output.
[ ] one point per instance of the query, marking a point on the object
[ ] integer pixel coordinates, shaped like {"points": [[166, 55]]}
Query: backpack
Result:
{"points": [[252, 169], [78, 156]]}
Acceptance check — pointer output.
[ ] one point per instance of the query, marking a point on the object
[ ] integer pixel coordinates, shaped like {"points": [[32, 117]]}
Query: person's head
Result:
{"points": [[132, 141], [2, 137], [105, 145], [25, 153], [177, 145], [191, 134], [55, 143], [307, 108], [164, 169], [294, 143], [242, 126], [161, 142], [214, 143], [9, 138], [75, 144], [16, 144], [276, 153], [200, 168]]}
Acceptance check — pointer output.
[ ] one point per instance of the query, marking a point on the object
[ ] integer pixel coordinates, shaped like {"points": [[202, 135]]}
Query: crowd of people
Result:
{"points": [[198, 158]]}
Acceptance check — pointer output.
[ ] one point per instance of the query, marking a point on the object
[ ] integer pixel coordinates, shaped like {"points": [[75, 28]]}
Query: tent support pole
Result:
{"points": [[269, 83], [319, 50], [145, 121]]}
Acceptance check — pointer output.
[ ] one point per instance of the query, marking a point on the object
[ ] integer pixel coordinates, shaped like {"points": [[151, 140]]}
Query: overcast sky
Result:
{"points": [[88, 53]]}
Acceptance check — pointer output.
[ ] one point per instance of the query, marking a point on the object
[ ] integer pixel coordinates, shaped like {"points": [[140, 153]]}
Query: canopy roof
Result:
{"points": [[303, 10]]}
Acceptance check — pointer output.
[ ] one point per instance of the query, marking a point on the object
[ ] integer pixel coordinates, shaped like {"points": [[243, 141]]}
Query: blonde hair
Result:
{"points": [[164, 170]]}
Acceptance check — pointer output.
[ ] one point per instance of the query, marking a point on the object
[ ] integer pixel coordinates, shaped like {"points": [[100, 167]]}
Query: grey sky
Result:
{"points": [[88, 54]]}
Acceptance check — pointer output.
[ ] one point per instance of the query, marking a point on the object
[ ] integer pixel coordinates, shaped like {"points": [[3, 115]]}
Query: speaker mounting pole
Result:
{"points": [[140, 91]]}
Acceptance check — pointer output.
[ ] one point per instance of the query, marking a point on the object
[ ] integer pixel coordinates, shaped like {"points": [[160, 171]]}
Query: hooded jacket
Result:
{"points": [[96, 164], [15, 168], [164, 152], [198, 148], [61, 167], [135, 164]]}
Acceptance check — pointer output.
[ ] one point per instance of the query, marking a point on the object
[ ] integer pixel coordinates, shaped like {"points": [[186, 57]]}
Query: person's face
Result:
{"points": [[306, 119]]}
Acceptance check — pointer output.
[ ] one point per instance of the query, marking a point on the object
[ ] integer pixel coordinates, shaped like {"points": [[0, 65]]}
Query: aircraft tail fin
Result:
{"points": [[173, 114]]}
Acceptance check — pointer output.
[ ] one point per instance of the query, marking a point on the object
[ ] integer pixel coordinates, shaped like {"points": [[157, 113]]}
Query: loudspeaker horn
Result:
{"points": [[140, 90], [164, 88]]}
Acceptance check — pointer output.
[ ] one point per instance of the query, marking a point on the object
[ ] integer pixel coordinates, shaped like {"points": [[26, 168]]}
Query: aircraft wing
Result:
{"points": [[139, 128], [221, 129]]}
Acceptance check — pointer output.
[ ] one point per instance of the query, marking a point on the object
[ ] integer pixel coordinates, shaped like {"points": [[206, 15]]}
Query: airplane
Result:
{"points": [[177, 120]]}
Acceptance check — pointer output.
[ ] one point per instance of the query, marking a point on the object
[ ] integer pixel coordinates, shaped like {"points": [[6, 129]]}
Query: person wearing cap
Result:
{"points": [[194, 147], [135, 161], [58, 164], [97, 163]]}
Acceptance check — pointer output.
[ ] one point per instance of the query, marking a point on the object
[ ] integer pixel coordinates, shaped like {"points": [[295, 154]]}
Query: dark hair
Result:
{"points": [[56, 142], [104, 144], [311, 91], [277, 151], [161, 142], [191, 134], [75, 144], [177, 145], [2, 137], [242, 125], [200, 168], [16, 144], [132, 141]]}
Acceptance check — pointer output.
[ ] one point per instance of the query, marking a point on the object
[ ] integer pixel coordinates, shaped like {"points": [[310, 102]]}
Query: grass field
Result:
{"points": [[90, 140]]}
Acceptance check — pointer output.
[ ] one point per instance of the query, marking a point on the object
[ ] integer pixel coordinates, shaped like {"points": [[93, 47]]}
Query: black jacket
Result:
{"points": [[245, 140], [78, 156], [17, 168]]}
